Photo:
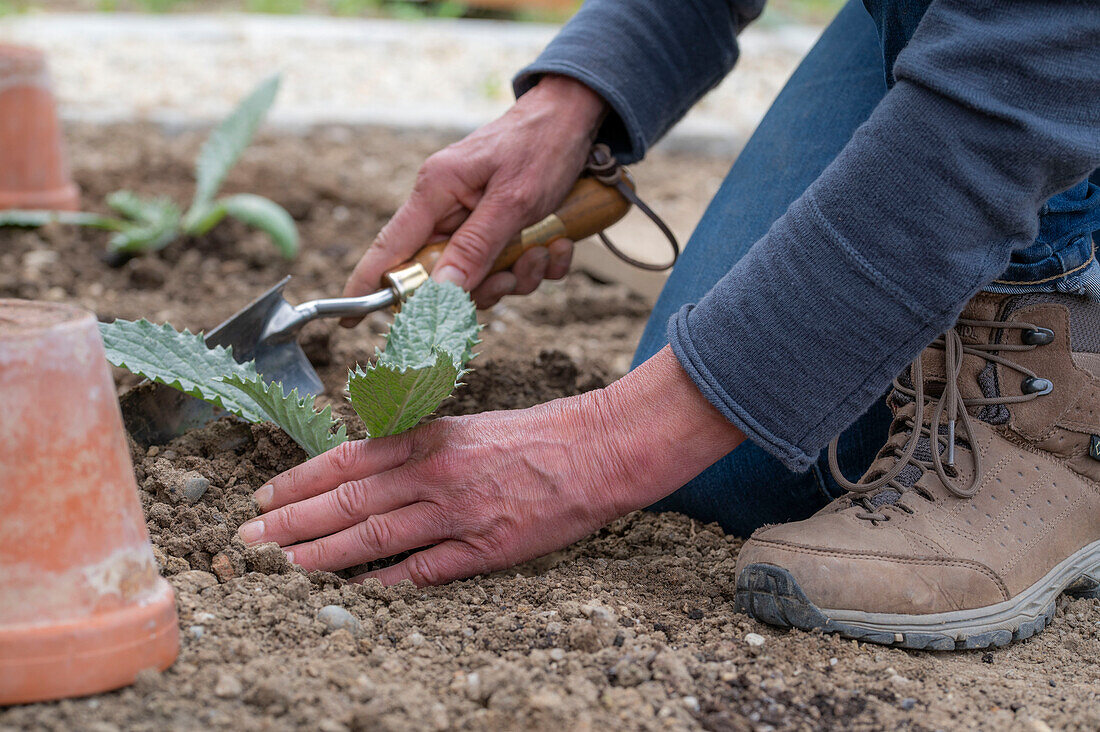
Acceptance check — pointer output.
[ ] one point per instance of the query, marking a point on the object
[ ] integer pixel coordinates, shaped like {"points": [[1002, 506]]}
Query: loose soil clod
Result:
{"points": [[632, 628]]}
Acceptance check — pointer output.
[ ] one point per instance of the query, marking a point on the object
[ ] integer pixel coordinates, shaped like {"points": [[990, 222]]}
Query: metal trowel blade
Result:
{"points": [[155, 413]]}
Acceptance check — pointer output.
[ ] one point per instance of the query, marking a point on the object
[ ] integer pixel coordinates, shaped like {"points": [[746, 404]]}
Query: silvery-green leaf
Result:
{"points": [[427, 349], [391, 399], [153, 223], [200, 220], [267, 216], [34, 219], [226, 143], [182, 361], [438, 316], [297, 417]]}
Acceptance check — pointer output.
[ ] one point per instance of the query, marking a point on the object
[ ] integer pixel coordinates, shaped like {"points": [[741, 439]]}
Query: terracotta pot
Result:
{"points": [[33, 171], [82, 606]]}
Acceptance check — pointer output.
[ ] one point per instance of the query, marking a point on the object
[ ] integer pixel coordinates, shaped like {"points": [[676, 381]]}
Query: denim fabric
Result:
{"points": [[994, 109], [833, 91], [1063, 256]]}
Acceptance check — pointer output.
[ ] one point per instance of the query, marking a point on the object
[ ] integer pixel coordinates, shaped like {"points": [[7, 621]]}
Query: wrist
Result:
{"points": [[585, 107], [658, 432]]}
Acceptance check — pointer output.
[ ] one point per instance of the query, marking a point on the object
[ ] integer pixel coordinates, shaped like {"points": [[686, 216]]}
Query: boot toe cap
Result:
{"points": [[837, 578]]}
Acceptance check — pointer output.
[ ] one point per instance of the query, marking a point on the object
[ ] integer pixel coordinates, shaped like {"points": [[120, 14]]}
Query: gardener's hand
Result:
{"points": [[483, 190], [488, 491]]}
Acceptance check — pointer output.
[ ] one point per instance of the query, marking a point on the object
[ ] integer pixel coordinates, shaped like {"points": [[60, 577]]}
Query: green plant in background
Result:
{"points": [[149, 224], [426, 353], [417, 10], [354, 7], [12, 7], [275, 7], [157, 6]]}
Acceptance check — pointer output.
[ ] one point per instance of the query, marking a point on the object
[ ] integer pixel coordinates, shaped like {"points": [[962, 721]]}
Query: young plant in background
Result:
{"points": [[427, 350], [149, 224]]}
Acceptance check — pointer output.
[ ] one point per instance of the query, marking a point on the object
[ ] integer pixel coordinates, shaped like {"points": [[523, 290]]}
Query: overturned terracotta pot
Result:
{"points": [[33, 170], [83, 608]]}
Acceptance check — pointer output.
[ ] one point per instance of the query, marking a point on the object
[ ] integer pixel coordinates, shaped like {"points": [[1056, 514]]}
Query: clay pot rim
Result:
{"points": [[55, 316], [22, 53]]}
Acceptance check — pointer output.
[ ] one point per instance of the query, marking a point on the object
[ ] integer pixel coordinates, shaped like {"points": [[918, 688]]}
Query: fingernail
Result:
{"points": [[449, 273], [263, 496], [289, 555], [251, 532]]}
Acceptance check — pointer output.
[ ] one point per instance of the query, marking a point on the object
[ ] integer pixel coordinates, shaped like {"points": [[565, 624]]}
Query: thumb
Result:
{"points": [[469, 255]]}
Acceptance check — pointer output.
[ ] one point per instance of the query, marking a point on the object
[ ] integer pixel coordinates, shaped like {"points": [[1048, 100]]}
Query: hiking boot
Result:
{"points": [[981, 508]]}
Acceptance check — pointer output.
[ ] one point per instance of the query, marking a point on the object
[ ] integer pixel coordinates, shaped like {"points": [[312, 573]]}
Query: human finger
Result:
{"points": [[380, 535], [471, 250], [335, 510], [530, 269], [561, 257], [444, 562], [350, 461], [495, 286]]}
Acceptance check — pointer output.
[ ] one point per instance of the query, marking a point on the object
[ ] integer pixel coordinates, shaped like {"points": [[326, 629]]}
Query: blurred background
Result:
{"points": [[384, 82]]}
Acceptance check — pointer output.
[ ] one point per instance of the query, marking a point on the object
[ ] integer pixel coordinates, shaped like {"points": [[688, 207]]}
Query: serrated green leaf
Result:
{"points": [[391, 399], [182, 361], [427, 349], [154, 223], [267, 216], [226, 143], [296, 416], [438, 316], [35, 219]]}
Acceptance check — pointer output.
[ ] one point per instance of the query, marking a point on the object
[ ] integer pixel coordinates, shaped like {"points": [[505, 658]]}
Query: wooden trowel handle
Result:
{"points": [[589, 208]]}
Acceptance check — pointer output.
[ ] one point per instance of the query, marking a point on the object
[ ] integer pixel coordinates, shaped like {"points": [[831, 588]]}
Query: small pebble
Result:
{"points": [[557, 654], [691, 703], [222, 567], [196, 631], [334, 618], [228, 687], [755, 640], [908, 703], [194, 488]]}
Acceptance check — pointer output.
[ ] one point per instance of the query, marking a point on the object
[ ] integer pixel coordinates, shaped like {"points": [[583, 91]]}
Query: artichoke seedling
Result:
{"points": [[426, 354]]}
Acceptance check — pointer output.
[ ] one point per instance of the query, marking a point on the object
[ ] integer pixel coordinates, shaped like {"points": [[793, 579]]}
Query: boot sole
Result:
{"points": [[770, 594]]}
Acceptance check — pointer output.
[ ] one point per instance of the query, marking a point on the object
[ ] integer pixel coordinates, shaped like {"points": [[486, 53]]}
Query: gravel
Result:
{"points": [[334, 618]]}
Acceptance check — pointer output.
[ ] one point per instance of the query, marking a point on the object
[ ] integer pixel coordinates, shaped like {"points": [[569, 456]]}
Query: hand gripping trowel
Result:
{"points": [[267, 329]]}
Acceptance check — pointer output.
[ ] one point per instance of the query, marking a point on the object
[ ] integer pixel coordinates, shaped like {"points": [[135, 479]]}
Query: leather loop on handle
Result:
{"points": [[590, 207]]}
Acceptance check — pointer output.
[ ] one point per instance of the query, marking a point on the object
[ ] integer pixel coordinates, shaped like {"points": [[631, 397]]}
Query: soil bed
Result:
{"points": [[632, 628]]}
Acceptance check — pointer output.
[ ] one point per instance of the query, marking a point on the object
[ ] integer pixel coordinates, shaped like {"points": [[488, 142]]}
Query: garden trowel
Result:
{"points": [[267, 330]]}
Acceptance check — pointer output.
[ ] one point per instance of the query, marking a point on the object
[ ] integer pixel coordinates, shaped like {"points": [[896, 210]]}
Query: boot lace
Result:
{"points": [[947, 404]]}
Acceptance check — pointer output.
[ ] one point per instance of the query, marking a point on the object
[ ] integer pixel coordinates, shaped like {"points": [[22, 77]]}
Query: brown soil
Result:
{"points": [[632, 628]]}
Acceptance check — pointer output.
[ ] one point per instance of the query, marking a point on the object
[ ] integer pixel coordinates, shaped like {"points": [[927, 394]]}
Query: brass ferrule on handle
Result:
{"points": [[590, 207], [405, 279]]}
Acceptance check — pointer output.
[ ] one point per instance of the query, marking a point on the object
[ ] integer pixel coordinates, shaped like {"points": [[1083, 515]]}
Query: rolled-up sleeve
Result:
{"points": [[650, 61], [996, 108]]}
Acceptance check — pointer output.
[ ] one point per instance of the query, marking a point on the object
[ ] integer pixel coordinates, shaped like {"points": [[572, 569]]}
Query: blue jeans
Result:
{"points": [[833, 91]]}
